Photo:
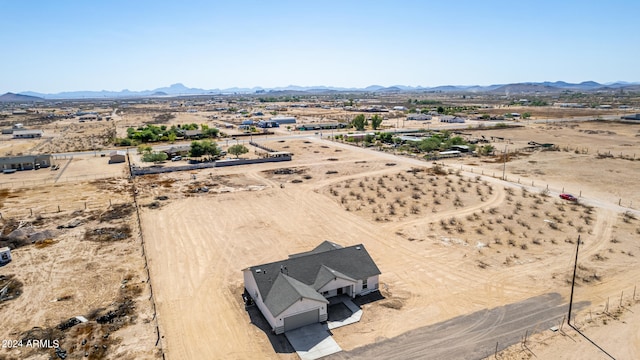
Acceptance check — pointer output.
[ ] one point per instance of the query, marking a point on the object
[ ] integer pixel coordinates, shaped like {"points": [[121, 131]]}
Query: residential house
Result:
{"points": [[27, 134], [293, 293], [25, 162]]}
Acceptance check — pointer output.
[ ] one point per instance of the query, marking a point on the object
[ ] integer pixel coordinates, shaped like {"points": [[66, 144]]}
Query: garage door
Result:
{"points": [[302, 319]]}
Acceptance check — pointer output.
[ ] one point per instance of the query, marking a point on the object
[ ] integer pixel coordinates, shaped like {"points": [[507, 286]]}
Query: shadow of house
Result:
{"points": [[279, 342], [338, 312], [369, 298]]}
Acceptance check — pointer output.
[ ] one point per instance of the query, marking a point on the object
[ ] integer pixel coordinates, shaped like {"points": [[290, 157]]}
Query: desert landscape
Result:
{"points": [[153, 264]]}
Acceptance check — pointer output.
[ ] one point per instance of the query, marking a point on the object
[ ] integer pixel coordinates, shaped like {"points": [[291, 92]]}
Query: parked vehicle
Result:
{"points": [[568, 197], [176, 158]]}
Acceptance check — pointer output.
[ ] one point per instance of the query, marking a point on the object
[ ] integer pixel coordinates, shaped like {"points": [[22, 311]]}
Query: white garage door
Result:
{"points": [[302, 319]]}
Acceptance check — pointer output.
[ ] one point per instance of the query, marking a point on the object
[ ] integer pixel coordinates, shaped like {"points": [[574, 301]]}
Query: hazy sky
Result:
{"points": [[52, 46]]}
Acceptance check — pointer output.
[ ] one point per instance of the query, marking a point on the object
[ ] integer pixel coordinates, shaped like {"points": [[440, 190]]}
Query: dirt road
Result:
{"points": [[472, 336]]}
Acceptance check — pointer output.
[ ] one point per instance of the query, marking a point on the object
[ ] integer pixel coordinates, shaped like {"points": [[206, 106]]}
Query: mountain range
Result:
{"points": [[181, 90]]}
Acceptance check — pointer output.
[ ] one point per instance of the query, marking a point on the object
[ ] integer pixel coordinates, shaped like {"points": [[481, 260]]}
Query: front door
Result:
{"points": [[339, 291]]}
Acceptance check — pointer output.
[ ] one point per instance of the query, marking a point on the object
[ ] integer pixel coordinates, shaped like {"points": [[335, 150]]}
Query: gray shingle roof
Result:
{"points": [[307, 272], [325, 275], [324, 246], [289, 290]]}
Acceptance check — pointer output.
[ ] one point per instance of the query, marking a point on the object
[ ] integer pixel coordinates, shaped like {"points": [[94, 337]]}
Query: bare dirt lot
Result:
{"points": [[448, 243], [76, 252]]}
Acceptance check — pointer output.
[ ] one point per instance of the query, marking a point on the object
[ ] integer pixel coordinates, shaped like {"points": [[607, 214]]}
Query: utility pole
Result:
{"points": [[504, 166], [573, 281]]}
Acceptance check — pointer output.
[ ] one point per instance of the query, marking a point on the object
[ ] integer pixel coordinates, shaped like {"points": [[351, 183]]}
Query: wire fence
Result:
{"points": [[534, 185], [146, 267], [17, 184], [36, 210], [612, 309]]}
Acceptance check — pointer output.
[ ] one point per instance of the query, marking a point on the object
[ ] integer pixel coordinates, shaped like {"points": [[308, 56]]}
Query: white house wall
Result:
{"points": [[252, 289], [372, 285]]}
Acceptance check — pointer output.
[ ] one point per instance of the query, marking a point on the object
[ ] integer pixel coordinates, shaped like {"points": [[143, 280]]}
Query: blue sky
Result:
{"points": [[67, 45]]}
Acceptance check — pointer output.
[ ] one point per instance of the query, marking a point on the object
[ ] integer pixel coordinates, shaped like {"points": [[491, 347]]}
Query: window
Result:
{"points": [[364, 284]]}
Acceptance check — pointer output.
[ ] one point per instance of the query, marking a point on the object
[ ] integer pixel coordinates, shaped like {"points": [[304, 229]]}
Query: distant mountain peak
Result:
{"points": [[11, 97], [179, 89]]}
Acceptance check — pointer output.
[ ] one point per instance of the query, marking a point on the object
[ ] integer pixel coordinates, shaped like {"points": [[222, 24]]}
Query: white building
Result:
{"points": [[5, 255]]}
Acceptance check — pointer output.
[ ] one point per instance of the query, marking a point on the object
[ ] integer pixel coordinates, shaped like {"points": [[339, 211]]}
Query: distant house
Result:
{"points": [[118, 156], [267, 124], [409, 138], [177, 151], [284, 120], [321, 126], [399, 108], [27, 134], [88, 117], [357, 137], [451, 119], [449, 154], [25, 162], [420, 117], [293, 293], [461, 148], [193, 134]]}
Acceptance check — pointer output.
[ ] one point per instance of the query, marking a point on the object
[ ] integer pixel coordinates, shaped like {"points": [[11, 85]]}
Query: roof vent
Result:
{"points": [[357, 247], [258, 271]]}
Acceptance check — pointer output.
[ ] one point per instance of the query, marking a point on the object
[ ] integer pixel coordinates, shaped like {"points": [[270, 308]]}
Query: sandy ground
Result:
{"points": [[61, 273], [486, 243]]}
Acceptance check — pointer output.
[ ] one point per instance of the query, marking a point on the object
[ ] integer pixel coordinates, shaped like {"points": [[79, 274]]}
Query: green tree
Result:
{"points": [[486, 150], [376, 121], [440, 110], [197, 150], [386, 137], [359, 122], [369, 138], [456, 140], [526, 115], [154, 156], [124, 142], [237, 150], [430, 144], [144, 149], [204, 147], [172, 137], [210, 132]]}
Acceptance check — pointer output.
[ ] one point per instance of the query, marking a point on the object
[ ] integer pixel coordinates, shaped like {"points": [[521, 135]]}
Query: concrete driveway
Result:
{"points": [[312, 341]]}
